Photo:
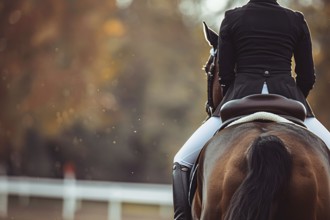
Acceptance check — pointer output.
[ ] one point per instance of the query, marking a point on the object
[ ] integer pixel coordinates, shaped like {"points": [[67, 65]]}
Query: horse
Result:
{"points": [[262, 170]]}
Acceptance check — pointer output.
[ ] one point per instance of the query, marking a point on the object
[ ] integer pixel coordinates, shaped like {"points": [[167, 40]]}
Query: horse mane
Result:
{"points": [[269, 171]]}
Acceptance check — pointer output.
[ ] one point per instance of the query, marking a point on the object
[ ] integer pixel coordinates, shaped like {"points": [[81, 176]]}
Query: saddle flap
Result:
{"points": [[272, 103]]}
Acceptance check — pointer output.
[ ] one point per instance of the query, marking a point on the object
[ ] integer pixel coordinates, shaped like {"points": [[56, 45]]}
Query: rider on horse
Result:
{"points": [[254, 51]]}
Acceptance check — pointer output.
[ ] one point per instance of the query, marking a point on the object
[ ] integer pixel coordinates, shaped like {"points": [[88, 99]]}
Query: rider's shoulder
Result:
{"points": [[299, 15], [232, 11], [296, 14]]}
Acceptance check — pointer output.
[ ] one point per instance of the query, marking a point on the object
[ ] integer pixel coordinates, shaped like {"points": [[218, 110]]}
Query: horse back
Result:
{"points": [[223, 167]]}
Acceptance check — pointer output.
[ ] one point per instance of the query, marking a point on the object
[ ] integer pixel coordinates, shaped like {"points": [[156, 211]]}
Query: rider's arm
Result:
{"points": [[226, 54], [304, 59]]}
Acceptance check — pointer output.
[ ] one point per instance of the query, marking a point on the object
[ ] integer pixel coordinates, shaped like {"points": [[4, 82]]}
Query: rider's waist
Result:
{"points": [[262, 71]]}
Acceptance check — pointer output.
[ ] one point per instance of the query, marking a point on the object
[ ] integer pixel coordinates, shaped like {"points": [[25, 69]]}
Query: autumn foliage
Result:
{"points": [[113, 91]]}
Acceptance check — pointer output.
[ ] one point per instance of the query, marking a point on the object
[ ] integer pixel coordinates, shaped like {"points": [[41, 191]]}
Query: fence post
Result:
{"points": [[24, 192], [114, 210], [3, 196], [69, 198]]}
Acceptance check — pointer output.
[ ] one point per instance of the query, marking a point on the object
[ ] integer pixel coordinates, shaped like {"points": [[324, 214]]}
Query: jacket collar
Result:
{"points": [[268, 1]]}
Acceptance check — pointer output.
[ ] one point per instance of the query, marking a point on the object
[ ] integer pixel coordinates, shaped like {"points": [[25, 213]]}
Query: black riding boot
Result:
{"points": [[182, 210]]}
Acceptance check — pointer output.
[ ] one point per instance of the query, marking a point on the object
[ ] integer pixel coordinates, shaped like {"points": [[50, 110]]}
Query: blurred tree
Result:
{"points": [[105, 88], [157, 88], [111, 91], [54, 63]]}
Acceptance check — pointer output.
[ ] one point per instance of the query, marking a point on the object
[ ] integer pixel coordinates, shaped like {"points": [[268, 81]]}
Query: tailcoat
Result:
{"points": [[256, 44]]}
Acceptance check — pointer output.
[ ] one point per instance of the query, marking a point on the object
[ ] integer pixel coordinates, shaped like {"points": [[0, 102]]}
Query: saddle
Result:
{"points": [[233, 110], [290, 109]]}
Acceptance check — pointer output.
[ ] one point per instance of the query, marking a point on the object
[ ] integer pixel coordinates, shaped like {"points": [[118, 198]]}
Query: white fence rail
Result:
{"points": [[72, 191]]}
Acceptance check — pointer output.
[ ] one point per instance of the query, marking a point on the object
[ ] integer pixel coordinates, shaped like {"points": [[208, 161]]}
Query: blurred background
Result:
{"points": [[110, 89]]}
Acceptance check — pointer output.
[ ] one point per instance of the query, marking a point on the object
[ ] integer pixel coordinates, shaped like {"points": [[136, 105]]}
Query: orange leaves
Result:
{"points": [[114, 28]]}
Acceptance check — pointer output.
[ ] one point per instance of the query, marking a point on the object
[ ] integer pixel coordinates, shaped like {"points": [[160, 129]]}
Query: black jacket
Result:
{"points": [[256, 45]]}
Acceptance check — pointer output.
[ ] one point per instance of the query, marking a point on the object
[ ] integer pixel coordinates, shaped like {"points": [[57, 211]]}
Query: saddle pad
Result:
{"points": [[261, 116]]}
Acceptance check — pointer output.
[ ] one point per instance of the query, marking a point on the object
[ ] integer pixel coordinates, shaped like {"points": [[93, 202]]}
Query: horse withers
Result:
{"points": [[262, 170]]}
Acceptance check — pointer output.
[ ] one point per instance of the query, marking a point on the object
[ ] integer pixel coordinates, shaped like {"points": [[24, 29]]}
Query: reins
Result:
{"points": [[209, 69]]}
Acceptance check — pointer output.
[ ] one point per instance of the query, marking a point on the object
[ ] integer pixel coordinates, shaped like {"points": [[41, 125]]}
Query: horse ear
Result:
{"points": [[210, 35]]}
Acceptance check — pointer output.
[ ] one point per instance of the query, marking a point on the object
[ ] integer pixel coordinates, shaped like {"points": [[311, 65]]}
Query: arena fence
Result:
{"points": [[73, 191]]}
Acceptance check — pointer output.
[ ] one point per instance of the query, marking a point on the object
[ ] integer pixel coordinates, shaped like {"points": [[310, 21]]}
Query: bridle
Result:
{"points": [[209, 68]]}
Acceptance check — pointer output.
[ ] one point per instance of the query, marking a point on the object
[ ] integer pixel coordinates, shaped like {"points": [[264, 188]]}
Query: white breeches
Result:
{"points": [[190, 150], [318, 129], [188, 153]]}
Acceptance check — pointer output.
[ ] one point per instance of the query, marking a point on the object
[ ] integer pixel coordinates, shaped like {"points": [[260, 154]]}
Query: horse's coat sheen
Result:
{"points": [[223, 167]]}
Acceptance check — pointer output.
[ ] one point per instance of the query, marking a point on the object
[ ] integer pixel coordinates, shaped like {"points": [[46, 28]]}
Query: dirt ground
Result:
{"points": [[51, 209]]}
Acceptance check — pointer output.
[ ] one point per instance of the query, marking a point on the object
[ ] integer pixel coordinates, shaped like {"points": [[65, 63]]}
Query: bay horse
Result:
{"points": [[263, 170]]}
